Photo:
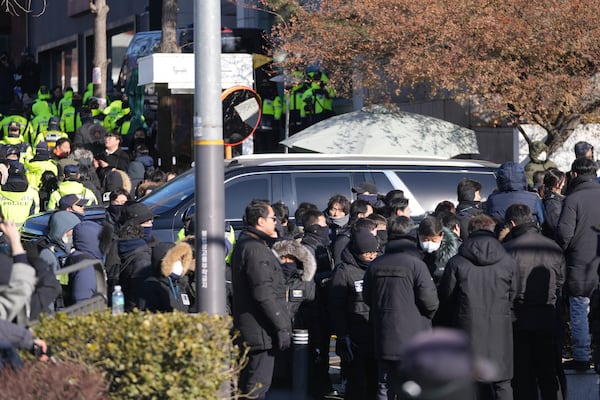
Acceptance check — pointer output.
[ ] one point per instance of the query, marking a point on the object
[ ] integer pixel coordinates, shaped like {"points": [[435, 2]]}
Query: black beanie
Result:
{"points": [[363, 241]]}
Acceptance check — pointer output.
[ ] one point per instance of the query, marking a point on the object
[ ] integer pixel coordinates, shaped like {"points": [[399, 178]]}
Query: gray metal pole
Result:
{"points": [[208, 155]]}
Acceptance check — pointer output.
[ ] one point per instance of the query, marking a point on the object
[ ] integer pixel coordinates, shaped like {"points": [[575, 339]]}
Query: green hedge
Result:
{"points": [[148, 356]]}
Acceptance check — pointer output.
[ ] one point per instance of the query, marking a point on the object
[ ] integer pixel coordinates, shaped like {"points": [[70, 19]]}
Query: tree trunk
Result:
{"points": [[168, 43], [100, 9], [560, 133], [166, 124]]}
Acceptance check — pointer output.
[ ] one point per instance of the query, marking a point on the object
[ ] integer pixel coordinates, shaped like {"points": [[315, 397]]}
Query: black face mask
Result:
{"points": [[322, 232]]}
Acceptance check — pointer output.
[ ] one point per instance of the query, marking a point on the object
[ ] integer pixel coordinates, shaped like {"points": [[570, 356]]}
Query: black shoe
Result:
{"points": [[576, 365]]}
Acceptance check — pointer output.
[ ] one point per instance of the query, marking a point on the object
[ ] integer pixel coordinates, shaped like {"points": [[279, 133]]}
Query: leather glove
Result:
{"points": [[343, 348], [283, 339]]}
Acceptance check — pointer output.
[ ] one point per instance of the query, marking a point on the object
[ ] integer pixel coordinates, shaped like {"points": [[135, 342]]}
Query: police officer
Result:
{"points": [[71, 185], [18, 200]]}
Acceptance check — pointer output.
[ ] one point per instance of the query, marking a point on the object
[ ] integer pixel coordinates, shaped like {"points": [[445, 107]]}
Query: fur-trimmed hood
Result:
{"points": [[181, 252], [300, 253]]}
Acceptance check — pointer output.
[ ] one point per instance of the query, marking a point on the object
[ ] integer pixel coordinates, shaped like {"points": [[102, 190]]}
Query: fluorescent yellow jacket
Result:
{"points": [[17, 206]]}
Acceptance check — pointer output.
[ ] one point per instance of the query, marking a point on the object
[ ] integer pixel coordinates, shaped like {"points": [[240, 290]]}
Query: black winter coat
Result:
{"points": [[481, 282], [552, 208], [402, 298], [347, 309], [577, 236], [259, 308], [465, 210], [541, 274]]}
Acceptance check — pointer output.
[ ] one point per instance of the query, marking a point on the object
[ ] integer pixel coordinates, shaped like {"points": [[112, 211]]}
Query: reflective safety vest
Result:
{"points": [[17, 206], [50, 137], [35, 169], [24, 148], [71, 187], [68, 119]]}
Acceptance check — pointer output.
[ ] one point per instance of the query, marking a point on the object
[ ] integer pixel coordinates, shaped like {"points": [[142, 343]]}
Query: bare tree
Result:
{"points": [[100, 9]]}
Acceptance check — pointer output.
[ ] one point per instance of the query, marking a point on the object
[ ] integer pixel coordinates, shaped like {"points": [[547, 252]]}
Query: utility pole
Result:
{"points": [[208, 154]]}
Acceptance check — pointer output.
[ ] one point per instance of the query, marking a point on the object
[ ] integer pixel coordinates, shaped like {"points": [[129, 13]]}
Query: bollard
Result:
{"points": [[300, 364]]}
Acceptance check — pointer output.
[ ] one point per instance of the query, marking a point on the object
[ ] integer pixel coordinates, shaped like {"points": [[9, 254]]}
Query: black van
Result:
{"points": [[294, 178]]}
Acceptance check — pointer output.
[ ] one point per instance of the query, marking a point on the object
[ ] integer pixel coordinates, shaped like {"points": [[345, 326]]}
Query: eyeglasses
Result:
{"points": [[274, 218]]}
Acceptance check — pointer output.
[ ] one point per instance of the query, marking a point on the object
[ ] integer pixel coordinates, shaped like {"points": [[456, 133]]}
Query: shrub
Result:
{"points": [[148, 356], [60, 381]]}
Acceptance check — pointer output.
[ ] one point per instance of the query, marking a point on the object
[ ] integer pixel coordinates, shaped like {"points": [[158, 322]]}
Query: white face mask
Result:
{"points": [[430, 246], [543, 156], [177, 270]]}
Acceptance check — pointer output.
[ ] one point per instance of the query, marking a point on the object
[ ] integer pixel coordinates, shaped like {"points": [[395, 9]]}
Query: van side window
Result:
{"points": [[317, 187], [428, 185], [241, 191]]}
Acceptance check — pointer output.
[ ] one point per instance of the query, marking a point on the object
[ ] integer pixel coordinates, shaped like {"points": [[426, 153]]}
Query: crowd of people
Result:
{"points": [[508, 272], [50, 164]]}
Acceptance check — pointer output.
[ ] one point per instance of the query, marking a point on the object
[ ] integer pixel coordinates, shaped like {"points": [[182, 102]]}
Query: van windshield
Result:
{"points": [[170, 195]]}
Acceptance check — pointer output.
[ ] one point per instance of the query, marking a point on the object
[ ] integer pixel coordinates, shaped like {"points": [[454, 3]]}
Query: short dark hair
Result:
{"points": [[364, 223], [281, 210], [60, 141], [443, 207], [430, 226], [399, 226], [449, 220], [466, 189], [584, 166], [553, 177], [519, 214], [378, 218], [311, 217], [482, 222], [341, 200], [359, 206], [117, 192], [255, 210], [302, 208]]}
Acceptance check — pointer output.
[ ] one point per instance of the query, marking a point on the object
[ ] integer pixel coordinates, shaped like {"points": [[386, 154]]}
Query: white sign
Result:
{"points": [[177, 70]]}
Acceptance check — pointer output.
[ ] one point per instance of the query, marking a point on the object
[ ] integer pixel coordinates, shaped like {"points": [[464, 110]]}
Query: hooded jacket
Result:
{"points": [[512, 189], [162, 291], [347, 309], [53, 248], [402, 298], [86, 242], [576, 234], [535, 164], [300, 286], [436, 261], [480, 283]]}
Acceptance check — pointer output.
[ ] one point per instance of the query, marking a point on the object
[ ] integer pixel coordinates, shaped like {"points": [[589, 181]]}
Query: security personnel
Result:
{"points": [[38, 164], [89, 92], [71, 185], [14, 137], [52, 134], [18, 199], [7, 120], [297, 107], [39, 124]]}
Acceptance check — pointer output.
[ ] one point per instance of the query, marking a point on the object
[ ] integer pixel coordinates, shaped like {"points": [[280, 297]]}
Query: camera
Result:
{"points": [[38, 352]]}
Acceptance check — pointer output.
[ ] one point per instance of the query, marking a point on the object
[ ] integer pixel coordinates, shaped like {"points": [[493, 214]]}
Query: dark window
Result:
{"points": [[431, 187], [241, 191], [317, 188], [167, 197]]}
